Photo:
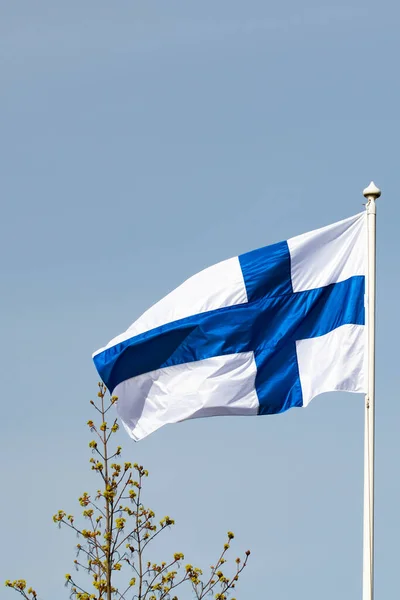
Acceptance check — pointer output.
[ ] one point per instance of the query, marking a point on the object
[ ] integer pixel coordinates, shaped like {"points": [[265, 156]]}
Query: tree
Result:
{"points": [[113, 548]]}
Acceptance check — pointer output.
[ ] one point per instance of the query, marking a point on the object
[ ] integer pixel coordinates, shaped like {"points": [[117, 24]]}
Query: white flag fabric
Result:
{"points": [[253, 335]]}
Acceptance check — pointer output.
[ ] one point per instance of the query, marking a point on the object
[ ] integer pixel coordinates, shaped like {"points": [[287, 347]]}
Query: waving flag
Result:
{"points": [[253, 335]]}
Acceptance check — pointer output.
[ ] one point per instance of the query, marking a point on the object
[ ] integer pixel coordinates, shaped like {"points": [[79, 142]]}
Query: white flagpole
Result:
{"points": [[371, 193]]}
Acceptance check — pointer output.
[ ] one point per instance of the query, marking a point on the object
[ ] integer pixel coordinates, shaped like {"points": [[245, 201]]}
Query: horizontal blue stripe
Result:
{"points": [[268, 326]]}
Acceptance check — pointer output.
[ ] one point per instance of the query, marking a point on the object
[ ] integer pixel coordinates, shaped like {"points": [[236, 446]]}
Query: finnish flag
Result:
{"points": [[253, 335]]}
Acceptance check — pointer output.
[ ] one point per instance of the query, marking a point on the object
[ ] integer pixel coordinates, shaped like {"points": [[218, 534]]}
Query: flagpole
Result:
{"points": [[371, 193]]}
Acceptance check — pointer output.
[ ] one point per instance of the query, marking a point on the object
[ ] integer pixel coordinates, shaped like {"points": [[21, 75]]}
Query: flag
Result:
{"points": [[253, 335]]}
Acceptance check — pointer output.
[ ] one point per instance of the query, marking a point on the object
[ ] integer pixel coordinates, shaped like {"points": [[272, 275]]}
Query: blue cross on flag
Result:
{"points": [[253, 335]]}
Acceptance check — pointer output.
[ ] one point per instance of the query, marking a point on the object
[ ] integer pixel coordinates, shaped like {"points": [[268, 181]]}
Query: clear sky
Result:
{"points": [[140, 142]]}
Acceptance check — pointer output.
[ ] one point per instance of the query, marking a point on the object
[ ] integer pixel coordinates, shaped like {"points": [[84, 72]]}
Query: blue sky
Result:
{"points": [[141, 142]]}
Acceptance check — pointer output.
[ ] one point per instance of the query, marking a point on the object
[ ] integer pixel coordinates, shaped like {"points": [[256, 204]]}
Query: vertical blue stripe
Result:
{"points": [[267, 271], [278, 382]]}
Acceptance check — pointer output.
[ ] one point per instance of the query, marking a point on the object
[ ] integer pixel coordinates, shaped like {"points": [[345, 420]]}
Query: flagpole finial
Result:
{"points": [[372, 191]]}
